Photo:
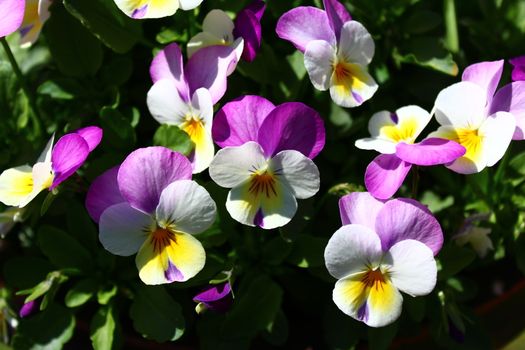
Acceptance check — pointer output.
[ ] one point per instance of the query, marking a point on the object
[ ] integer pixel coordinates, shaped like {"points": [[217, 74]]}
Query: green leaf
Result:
{"points": [[81, 292], [262, 298], [518, 163], [277, 332], [118, 132], [308, 251], [105, 294], [156, 315], [427, 52], [453, 259], [76, 52], [48, 330], [117, 31], [61, 89], [276, 250], [103, 327], [174, 138], [421, 22], [63, 250]]}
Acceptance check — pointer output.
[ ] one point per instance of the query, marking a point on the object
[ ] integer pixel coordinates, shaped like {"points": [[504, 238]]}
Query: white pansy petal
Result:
{"points": [[377, 144], [298, 172], [412, 117], [497, 131], [356, 44], [266, 208], [165, 103], [189, 4], [376, 306], [45, 156], [234, 165], [218, 23], [378, 121], [202, 105], [413, 269], [187, 207], [319, 59], [123, 230], [16, 186], [202, 40], [351, 85], [147, 8], [461, 105], [351, 249]]}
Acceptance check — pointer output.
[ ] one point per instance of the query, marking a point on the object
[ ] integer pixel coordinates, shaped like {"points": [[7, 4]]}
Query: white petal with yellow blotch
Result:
{"points": [[388, 129], [170, 257], [139, 9], [194, 117], [189, 4]]}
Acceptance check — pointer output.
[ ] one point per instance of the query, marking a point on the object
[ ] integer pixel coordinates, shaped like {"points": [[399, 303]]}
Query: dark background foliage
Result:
{"points": [[90, 67]]}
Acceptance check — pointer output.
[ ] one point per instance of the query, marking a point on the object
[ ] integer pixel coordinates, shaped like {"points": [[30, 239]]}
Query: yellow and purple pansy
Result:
{"points": [[394, 135], [12, 15], [20, 185], [337, 50], [382, 249], [149, 206], [141, 9], [244, 34], [266, 158], [184, 95], [480, 118]]}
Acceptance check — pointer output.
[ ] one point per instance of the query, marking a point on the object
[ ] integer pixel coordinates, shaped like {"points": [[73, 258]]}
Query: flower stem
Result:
{"points": [[451, 25], [35, 116], [415, 181]]}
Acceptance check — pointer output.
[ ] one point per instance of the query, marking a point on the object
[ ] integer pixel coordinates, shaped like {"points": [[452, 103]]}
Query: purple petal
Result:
{"points": [[292, 126], [405, 218], [208, 68], [69, 153], [29, 308], [337, 15], [140, 12], [431, 151], [146, 172], [168, 64], [485, 74], [11, 16], [257, 7], [359, 208], [248, 26], [239, 121], [511, 98], [173, 274], [385, 174], [92, 135], [103, 193], [216, 297], [518, 72], [304, 24]]}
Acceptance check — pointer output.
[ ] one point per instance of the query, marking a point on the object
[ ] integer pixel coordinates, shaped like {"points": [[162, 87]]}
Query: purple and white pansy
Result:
{"points": [[382, 249], [149, 206], [20, 185], [483, 120], [266, 158], [244, 35], [36, 14], [12, 15], [394, 135], [184, 95], [337, 50], [141, 9]]}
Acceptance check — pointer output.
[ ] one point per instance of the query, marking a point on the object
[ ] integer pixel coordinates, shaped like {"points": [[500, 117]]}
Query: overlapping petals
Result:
{"points": [[154, 214], [12, 15], [394, 135], [266, 158], [20, 185], [36, 14], [140, 9], [382, 249], [337, 51]]}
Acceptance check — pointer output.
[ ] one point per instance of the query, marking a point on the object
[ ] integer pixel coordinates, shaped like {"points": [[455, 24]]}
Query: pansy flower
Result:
{"points": [[394, 135], [184, 95], [20, 185], [382, 249], [140, 9], [215, 297], [36, 13], [266, 158], [245, 34], [474, 115], [518, 70], [337, 50], [12, 15], [149, 206]]}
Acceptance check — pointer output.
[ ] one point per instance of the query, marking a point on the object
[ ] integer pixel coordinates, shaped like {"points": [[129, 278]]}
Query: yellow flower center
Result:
{"points": [[263, 183], [162, 238], [347, 76], [404, 131], [374, 279], [471, 139]]}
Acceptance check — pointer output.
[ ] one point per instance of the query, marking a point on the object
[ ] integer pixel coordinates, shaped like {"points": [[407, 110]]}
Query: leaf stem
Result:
{"points": [[35, 116]]}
